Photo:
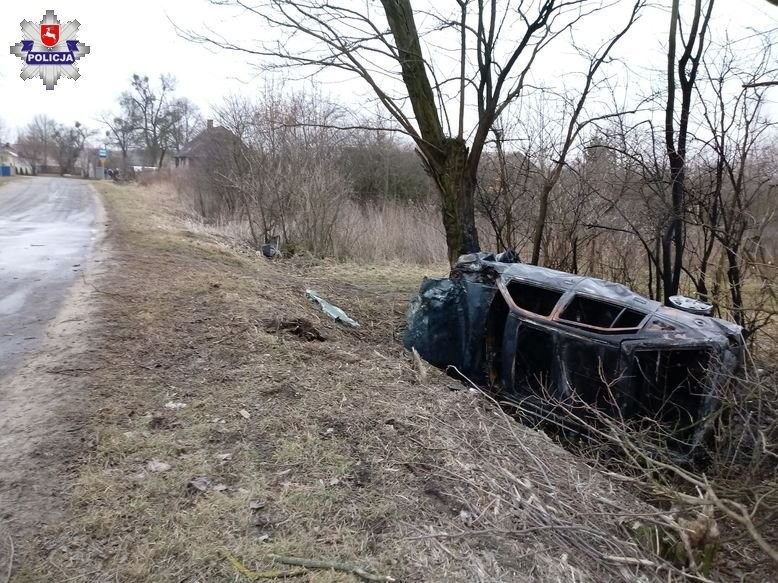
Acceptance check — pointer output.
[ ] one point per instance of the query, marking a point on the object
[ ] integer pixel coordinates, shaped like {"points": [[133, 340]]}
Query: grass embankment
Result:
{"points": [[334, 449]]}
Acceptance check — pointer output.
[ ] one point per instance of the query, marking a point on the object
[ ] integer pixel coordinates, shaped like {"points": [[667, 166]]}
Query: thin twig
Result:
{"points": [[630, 561], [245, 571], [487, 531], [760, 84], [742, 516], [319, 564], [100, 291]]}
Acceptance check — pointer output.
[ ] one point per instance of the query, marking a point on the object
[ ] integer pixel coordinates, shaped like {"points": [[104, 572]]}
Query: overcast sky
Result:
{"points": [[137, 36], [125, 37]]}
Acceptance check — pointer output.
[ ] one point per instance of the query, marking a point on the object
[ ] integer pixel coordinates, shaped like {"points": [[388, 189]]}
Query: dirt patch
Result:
{"points": [[325, 450], [299, 327]]}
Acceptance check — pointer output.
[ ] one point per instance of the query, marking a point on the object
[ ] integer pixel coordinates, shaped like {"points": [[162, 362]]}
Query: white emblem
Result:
{"points": [[50, 50]]}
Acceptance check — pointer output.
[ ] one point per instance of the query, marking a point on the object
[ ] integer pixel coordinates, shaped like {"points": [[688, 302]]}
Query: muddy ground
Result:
{"points": [[222, 419]]}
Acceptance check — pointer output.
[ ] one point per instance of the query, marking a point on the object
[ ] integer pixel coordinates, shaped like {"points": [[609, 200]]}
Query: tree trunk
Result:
{"points": [[574, 259], [735, 285], [659, 279], [673, 236], [540, 223], [454, 179], [702, 280], [670, 229], [447, 159]]}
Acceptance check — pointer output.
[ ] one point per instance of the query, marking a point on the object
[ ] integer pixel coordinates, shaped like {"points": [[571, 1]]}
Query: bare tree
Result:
{"points": [[294, 185], [36, 141], [68, 144], [738, 205], [124, 128], [509, 179], [156, 116], [186, 123], [123, 133], [627, 192], [687, 64], [387, 50], [575, 124]]}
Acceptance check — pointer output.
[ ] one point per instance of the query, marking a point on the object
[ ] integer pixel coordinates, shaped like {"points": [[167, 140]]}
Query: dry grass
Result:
{"points": [[384, 232], [372, 234], [327, 449]]}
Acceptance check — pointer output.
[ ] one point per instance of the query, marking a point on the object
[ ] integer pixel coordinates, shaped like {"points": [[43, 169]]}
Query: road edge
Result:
{"points": [[38, 461]]}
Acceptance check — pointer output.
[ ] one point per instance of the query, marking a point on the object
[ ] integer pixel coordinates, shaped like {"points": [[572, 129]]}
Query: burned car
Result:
{"points": [[561, 345]]}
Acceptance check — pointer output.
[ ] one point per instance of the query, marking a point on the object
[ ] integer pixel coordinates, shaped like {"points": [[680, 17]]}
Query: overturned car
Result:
{"points": [[561, 346]]}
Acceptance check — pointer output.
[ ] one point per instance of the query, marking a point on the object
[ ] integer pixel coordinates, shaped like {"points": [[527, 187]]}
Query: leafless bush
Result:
{"points": [[273, 164], [736, 493], [317, 192], [152, 177], [370, 233], [730, 494], [390, 231], [293, 176]]}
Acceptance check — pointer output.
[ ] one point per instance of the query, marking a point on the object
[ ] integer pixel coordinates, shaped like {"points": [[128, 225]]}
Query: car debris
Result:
{"points": [[198, 484], [270, 251], [333, 312], [558, 345]]}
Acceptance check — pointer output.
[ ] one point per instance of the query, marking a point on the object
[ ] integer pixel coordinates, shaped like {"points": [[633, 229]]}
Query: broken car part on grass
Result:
{"points": [[562, 346], [332, 311]]}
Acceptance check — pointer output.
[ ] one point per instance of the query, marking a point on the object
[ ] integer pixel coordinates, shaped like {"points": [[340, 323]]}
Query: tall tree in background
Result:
{"points": [[154, 119], [124, 128], [187, 123], [68, 144], [447, 106], [156, 114], [677, 131], [36, 141]]}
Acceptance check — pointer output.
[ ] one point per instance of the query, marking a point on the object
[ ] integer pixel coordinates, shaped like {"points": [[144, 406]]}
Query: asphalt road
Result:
{"points": [[47, 230]]}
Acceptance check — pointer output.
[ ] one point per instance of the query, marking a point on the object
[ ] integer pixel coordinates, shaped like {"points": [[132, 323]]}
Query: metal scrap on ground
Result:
{"points": [[333, 312]]}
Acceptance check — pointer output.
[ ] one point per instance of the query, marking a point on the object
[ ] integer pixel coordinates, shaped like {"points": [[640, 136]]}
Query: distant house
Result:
{"points": [[11, 162], [208, 147]]}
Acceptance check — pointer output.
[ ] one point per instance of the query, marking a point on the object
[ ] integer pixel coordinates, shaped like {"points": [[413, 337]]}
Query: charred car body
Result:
{"points": [[557, 344]]}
